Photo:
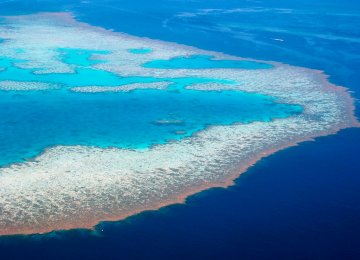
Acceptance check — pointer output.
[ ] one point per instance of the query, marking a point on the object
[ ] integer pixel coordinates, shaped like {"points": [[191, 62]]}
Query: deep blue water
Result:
{"points": [[301, 203]]}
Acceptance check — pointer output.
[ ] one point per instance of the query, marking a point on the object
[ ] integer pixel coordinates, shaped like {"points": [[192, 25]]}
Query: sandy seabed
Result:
{"points": [[69, 187]]}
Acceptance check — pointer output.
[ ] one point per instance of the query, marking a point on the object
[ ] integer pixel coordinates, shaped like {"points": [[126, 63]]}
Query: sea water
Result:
{"points": [[301, 203]]}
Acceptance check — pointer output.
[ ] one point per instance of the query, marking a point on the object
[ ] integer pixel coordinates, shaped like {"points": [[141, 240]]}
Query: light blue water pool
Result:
{"points": [[140, 51], [205, 62], [81, 57]]}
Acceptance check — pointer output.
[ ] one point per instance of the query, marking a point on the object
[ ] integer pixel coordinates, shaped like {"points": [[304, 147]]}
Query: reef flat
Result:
{"points": [[78, 186]]}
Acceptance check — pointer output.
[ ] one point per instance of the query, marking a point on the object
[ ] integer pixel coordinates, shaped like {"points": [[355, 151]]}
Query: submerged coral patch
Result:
{"points": [[81, 57], [140, 51], [9, 85]]}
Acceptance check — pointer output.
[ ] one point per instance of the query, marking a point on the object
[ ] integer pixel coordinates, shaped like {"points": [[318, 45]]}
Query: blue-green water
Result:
{"points": [[32, 121], [80, 57], [140, 51], [205, 62]]}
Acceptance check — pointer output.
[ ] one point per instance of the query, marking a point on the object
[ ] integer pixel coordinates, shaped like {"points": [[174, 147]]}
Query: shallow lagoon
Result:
{"points": [[138, 119], [80, 57]]}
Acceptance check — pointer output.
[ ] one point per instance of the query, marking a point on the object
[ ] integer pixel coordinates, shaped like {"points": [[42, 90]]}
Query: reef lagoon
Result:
{"points": [[98, 126]]}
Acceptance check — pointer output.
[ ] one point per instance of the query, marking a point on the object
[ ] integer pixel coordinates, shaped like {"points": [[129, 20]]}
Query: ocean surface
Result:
{"points": [[300, 203]]}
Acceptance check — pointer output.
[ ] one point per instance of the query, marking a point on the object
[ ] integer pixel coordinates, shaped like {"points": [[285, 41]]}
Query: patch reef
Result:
{"points": [[77, 187]]}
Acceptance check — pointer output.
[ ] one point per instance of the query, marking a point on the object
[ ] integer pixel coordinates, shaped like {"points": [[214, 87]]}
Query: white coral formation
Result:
{"points": [[122, 88], [69, 187], [10, 85]]}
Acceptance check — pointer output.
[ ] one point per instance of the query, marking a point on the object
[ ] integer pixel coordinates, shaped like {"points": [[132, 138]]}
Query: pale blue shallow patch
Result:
{"points": [[4, 63], [204, 62], [19, 50], [81, 57], [8, 62], [140, 51]]}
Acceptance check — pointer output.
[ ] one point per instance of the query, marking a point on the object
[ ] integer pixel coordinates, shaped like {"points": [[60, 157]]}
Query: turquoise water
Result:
{"points": [[31, 121], [205, 62], [8, 62], [81, 57], [140, 51], [85, 75], [92, 77]]}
